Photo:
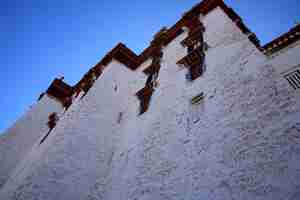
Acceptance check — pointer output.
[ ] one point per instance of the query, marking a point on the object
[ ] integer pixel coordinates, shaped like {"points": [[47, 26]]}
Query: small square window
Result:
{"points": [[197, 99]]}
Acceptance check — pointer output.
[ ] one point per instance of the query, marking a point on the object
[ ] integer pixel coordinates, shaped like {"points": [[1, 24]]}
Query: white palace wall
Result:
{"points": [[18, 140], [240, 142]]}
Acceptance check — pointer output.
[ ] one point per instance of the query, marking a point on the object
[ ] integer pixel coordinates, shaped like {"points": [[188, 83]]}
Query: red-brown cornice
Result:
{"points": [[126, 56], [61, 91], [59, 88], [292, 36], [131, 60]]}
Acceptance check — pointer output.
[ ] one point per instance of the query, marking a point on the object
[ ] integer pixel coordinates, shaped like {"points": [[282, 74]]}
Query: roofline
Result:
{"points": [[132, 61], [286, 39], [203, 8], [59, 90]]}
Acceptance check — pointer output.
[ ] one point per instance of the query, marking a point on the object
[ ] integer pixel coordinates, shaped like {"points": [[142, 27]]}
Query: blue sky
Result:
{"points": [[41, 40]]}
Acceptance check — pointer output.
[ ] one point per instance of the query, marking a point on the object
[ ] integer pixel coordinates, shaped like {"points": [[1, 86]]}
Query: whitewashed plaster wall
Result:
{"points": [[18, 140], [79, 150], [241, 142], [286, 61]]}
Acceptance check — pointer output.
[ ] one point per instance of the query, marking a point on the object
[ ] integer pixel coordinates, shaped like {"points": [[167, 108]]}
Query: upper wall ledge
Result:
{"points": [[131, 60]]}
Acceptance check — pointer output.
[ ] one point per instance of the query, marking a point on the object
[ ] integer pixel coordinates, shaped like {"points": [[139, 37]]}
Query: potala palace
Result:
{"points": [[203, 113]]}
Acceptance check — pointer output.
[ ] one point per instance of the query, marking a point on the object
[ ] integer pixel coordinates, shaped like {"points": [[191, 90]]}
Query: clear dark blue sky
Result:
{"points": [[40, 40]]}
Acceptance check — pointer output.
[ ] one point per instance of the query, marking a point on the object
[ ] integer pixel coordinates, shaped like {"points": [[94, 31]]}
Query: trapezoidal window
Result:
{"points": [[52, 121], [194, 60]]}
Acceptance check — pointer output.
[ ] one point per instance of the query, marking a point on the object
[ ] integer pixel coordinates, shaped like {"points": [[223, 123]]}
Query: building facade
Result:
{"points": [[205, 112]]}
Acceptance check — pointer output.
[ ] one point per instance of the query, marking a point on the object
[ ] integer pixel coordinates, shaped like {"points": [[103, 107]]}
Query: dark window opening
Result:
{"points": [[194, 61], [197, 99], [294, 79], [144, 95], [52, 120], [196, 46], [120, 117]]}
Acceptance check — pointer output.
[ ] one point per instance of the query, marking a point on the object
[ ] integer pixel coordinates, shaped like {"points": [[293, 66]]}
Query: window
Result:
{"points": [[197, 99], [194, 60], [196, 107], [294, 79], [120, 117], [145, 94], [52, 120]]}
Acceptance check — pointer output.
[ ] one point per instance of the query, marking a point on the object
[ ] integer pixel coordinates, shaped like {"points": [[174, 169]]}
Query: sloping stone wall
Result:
{"points": [[240, 142], [18, 140]]}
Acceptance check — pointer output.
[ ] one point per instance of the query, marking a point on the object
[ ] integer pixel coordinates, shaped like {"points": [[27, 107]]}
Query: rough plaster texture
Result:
{"points": [[18, 140], [241, 142]]}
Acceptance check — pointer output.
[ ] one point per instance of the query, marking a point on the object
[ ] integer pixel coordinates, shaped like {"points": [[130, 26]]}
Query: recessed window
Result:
{"points": [[52, 120], [197, 99], [120, 117], [196, 107], [294, 79]]}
